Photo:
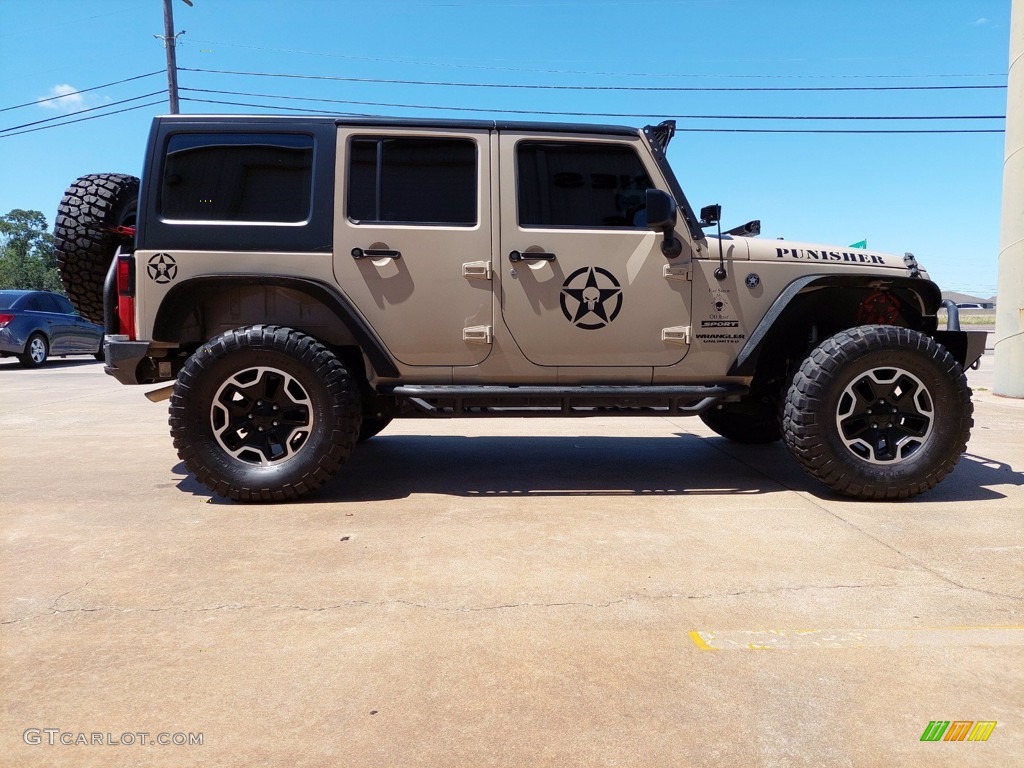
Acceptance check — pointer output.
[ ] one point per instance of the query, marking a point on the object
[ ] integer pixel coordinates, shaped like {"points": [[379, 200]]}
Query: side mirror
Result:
{"points": [[710, 214], [661, 217]]}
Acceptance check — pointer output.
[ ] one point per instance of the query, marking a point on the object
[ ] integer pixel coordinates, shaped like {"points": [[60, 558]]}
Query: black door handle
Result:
{"points": [[516, 256], [374, 253]]}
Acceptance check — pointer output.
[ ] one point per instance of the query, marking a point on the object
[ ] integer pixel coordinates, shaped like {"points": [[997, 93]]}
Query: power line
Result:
{"points": [[454, 65], [278, 106], [84, 90], [650, 88], [596, 114], [79, 112], [84, 119], [687, 130]]}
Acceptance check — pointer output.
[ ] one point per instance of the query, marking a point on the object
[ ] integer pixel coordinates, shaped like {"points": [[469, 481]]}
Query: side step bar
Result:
{"points": [[562, 401]]}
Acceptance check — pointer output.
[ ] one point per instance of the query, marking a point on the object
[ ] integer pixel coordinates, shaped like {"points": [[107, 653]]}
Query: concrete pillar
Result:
{"points": [[1009, 378]]}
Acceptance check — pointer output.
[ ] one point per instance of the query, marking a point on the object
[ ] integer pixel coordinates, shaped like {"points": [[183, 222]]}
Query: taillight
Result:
{"points": [[5, 319], [126, 295]]}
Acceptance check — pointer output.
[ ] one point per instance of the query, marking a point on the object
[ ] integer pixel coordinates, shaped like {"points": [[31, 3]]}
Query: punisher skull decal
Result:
{"points": [[591, 298]]}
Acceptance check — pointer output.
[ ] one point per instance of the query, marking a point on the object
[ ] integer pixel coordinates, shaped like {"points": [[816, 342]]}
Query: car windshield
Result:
{"points": [[8, 298]]}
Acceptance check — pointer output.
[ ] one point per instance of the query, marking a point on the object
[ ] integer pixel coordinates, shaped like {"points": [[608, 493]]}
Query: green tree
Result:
{"points": [[27, 256]]}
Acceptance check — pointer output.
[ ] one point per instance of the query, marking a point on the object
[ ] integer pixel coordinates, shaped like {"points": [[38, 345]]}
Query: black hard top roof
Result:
{"points": [[296, 121]]}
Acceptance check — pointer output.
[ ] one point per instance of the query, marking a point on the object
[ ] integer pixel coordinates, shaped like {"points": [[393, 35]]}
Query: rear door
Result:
{"points": [[46, 314], [84, 336], [584, 280], [412, 239]]}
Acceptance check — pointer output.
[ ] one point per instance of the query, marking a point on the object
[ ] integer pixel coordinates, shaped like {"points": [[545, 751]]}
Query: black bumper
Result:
{"points": [[122, 358], [966, 346]]}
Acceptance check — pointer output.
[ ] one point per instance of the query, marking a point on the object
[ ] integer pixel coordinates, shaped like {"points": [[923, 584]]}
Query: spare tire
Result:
{"points": [[86, 232]]}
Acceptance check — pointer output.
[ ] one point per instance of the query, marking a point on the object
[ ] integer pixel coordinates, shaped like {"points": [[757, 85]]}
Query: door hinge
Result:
{"points": [[477, 270], [477, 334], [677, 272], [680, 334]]}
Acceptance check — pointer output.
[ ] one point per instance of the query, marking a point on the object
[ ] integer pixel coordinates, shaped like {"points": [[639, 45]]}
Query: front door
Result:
{"points": [[412, 239], [584, 282]]}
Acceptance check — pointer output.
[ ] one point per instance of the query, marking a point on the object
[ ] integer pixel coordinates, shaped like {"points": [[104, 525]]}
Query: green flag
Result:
{"points": [[862, 244]]}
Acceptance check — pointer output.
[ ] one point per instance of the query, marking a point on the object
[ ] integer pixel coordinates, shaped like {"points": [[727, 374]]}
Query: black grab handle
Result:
{"points": [[516, 256]]}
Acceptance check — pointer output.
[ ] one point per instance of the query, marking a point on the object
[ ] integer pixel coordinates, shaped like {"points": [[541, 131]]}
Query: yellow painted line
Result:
{"points": [[699, 641], [799, 639]]}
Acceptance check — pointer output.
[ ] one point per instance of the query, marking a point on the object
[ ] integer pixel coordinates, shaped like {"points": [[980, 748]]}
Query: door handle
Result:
{"points": [[515, 257], [375, 253]]}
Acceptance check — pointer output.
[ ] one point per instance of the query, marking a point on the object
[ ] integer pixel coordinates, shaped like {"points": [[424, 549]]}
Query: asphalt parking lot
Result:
{"points": [[628, 592]]}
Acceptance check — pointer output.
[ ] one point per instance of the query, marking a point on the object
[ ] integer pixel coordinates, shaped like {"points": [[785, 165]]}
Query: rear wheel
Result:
{"points": [[264, 413], [878, 412], [37, 350], [86, 235]]}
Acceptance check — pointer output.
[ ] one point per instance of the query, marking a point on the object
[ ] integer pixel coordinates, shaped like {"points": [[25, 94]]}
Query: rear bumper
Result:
{"points": [[9, 345], [122, 358]]}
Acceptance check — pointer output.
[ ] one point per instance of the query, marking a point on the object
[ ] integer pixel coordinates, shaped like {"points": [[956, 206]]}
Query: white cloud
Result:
{"points": [[980, 22], [60, 100]]}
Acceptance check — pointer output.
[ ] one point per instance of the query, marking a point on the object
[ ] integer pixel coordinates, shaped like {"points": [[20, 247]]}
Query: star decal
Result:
{"points": [[597, 300]]}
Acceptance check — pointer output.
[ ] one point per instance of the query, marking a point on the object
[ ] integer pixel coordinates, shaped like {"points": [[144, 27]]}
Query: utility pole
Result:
{"points": [[170, 43], [1009, 346]]}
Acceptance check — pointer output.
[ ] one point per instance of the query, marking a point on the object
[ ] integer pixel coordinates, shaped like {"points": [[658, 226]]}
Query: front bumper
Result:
{"points": [[122, 358], [966, 346]]}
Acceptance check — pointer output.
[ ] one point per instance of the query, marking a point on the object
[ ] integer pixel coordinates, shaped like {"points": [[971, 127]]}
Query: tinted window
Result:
{"points": [[63, 305], [412, 181], [9, 300], [566, 184], [38, 302], [238, 177]]}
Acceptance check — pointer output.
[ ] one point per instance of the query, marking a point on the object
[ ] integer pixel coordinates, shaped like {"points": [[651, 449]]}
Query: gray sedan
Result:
{"points": [[36, 325]]}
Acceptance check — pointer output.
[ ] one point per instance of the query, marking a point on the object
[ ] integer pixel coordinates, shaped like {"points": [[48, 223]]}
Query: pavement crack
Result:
{"points": [[910, 558], [808, 497], [435, 607]]}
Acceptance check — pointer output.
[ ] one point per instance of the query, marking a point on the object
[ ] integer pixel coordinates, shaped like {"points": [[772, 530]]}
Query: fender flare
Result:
{"points": [[181, 299], [746, 361]]}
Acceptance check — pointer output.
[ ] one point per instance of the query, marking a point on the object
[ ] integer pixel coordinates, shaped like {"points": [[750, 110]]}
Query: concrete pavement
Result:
{"points": [[497, 592]]}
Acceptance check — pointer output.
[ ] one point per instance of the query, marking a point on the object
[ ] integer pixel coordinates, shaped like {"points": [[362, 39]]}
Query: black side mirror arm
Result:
{"points": [[710, 215]]}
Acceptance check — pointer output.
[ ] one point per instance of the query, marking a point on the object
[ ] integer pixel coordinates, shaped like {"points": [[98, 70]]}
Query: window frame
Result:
{"points": [[583, 142], [380, 138], [217, 133]]}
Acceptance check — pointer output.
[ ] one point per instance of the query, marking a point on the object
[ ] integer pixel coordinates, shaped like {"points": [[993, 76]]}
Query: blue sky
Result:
{"points": [[936, 195]]}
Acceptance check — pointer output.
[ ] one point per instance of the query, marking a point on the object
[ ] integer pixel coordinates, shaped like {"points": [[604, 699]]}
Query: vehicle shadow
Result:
{"points": [[397, 466], [12, 364]]}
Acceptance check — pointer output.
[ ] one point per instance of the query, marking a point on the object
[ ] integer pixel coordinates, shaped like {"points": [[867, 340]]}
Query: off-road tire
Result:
{"points": [[818, 419], [325, 383], [33, 358], [92, 207], [372, 426], [750, 421]]}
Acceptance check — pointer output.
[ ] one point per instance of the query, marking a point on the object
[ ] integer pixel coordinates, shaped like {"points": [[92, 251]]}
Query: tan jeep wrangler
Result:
{"points": [[304, 281]]}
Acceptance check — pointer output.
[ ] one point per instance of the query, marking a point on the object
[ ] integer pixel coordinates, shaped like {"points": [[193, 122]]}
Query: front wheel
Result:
{"points": [[878, 412], [264, 413]]}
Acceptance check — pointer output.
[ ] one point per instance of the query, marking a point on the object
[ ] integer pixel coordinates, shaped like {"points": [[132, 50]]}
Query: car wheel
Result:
{"points": [[878, 412], [37, 350], [748, 421], [86, 236], [371, 427], [264, 413]]}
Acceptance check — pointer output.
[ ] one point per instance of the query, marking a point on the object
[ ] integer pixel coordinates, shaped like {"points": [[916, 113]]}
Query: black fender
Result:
{"points": [[746, 362], [183, 297]]}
